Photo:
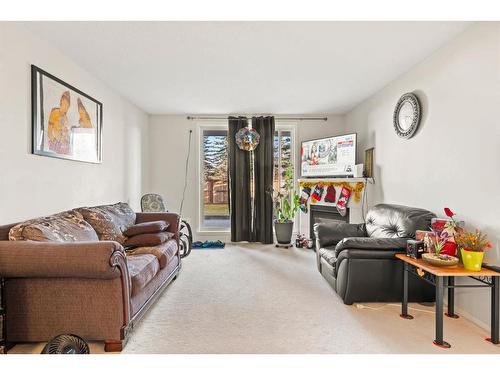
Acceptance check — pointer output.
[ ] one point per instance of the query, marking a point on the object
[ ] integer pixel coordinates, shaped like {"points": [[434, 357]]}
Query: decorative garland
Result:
{"points": [[356, 188]]}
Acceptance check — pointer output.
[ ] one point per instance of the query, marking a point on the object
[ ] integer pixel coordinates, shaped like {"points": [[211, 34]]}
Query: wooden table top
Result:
{"points": [[457, 270]]}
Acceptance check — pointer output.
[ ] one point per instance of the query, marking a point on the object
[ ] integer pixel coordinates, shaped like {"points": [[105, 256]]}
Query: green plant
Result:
{"points": [[286, 200], [438, 245]]}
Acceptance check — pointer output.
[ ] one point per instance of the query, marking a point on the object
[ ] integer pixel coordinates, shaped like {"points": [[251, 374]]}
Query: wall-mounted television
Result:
{"points": [[329, 157]]}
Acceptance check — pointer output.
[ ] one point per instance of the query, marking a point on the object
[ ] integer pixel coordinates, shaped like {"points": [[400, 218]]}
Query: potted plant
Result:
{"points": [[472, 246], [438, 258], [446, 229], [286, 204]]}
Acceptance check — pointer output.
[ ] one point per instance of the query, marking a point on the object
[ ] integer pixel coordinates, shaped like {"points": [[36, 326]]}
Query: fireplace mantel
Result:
{"points": [[357, 210], [367, 180]]}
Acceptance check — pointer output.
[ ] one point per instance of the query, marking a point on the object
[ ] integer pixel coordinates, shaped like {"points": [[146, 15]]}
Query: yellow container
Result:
{"points": [[472, 259]]}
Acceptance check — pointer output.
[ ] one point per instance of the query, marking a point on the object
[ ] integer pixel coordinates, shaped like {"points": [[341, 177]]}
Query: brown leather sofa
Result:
{"points": [[67, 273]]}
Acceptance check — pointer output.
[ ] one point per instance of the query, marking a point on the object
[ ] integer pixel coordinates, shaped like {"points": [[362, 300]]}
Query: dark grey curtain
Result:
{"points": [[239, 185], [263, 166]]}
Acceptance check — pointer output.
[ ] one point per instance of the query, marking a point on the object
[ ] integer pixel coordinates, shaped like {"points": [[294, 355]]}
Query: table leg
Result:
{"points": [[404, 305], [451, 298], [439, 313], [494, 310]]}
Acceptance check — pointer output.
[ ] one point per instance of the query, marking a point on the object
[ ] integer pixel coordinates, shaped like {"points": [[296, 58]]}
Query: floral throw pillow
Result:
{"points": [[110, 221], [68, 226]]}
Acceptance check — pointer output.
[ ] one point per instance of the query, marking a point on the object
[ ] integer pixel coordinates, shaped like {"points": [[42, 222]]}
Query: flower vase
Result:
{"points": [[472, 260]]}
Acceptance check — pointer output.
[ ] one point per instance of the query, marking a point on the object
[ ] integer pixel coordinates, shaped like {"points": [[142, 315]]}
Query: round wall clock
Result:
{"points": [[407, 115]]}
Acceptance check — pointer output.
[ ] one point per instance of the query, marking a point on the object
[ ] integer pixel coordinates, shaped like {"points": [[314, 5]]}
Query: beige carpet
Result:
{"points": [[260, 299]]}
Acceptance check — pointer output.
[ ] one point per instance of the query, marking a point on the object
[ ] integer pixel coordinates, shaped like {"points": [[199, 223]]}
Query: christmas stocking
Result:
{"points": [[345, 194], [317, 194], [304, 197], [330, 194]]}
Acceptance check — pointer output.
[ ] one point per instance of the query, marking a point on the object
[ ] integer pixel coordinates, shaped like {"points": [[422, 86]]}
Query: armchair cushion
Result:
{"points": [[374, 244], [330, 232], [328, 254]]}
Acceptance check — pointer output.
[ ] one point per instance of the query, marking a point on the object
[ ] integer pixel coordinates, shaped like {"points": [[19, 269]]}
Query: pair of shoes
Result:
{"points": [[213, 244], [209, 245]]}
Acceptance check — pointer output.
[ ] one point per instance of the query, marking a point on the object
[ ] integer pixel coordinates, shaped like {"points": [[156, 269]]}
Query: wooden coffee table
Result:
{"points": [[444, 278]]}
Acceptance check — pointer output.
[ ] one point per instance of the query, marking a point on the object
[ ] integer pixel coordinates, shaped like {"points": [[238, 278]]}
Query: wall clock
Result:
{"points": [[407, 115]]}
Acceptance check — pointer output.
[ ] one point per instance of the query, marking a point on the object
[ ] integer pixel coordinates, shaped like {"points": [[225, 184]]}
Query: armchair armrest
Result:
{"points": [[170, 217], [374, 244], [93, 260], [331, 232]]}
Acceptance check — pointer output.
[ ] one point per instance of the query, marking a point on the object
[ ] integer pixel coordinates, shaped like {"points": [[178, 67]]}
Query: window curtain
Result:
{"points": [[239, 185], [263, 167], [251, 216]]}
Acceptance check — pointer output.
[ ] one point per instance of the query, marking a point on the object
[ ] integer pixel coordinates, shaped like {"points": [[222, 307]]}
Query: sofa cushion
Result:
{"points": [[142, 269], [147, 227], [393, 221], [164, 252], [68, 226], [148, 239], [330, 232], [328, 254], [373, 244], [110, 221]]}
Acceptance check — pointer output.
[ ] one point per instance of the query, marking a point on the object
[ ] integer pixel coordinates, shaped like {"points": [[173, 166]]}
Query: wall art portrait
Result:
{"points": [[66, 122]]}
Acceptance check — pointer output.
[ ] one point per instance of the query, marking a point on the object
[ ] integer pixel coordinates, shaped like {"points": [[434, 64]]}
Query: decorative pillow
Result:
{"points": [[147, 227], [68, 226], [148, 239], [107, 229]]}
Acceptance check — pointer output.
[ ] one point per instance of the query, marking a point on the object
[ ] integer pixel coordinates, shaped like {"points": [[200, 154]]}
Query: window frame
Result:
{"points": [[206, 125], [288, 126], [282, 125]]}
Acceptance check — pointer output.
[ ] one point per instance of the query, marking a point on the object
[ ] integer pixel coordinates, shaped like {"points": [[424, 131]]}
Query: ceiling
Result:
{"points": [[247, 67]]}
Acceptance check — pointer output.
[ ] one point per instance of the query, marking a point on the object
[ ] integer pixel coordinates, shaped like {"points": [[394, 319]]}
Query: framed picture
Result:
{"points": [[66, 122], [368, 165]]}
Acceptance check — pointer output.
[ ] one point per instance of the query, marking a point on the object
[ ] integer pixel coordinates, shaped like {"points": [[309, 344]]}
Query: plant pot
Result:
{"points": [[472, 259], [283, 232]]}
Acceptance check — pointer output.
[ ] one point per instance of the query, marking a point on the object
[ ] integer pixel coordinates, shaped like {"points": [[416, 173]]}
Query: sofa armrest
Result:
{"points": [[367, 254], [331, 232], [92, 260], [170, 217], [373, 244]]}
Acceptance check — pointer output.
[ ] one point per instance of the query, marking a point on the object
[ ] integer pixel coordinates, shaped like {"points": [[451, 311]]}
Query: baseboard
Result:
{"points": [[468, 316]]}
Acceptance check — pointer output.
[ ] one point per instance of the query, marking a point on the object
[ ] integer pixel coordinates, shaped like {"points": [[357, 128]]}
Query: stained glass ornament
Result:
{"points": [[247, 139]]}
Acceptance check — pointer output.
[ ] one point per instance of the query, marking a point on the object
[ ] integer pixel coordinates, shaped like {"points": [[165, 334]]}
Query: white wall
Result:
{"points": [[168, 137], [454, 159], [34, 185]]}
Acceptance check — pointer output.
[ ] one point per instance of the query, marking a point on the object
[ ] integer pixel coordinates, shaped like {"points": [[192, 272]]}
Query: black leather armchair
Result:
{"points": [[358, 260]]}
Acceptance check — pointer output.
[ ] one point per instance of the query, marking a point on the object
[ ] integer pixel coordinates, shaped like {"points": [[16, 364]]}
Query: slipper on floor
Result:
{"points": [[197, 245], [211, 245]]}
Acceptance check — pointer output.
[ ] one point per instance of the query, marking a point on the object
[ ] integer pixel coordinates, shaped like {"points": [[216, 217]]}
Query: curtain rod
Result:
{"points": [[276, 118]]}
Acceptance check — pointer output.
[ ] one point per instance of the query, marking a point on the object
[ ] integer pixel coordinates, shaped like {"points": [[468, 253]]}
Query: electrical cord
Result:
{"points": [[186, 172], [362, 307]]}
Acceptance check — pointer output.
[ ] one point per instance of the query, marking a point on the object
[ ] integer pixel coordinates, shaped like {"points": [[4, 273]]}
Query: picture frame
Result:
{"points": [[368, 164], [66, 122]]}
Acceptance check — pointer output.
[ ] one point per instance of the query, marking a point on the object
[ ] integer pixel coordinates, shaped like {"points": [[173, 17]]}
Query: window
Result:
{"points": [[215, 196], [214, 205], [283, 157]]}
